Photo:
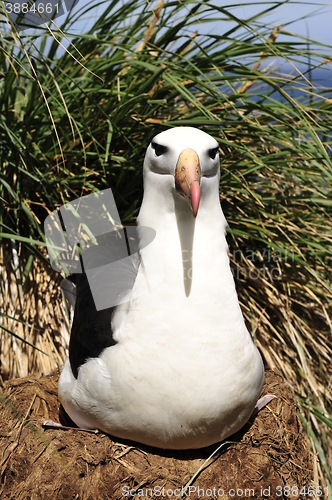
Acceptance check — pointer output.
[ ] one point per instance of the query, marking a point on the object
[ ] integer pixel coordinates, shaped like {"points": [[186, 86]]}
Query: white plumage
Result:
{"points": [[184, 372]]}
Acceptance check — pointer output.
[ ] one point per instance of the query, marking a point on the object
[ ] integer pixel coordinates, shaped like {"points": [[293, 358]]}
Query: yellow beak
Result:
{"points": [[188, 177]]}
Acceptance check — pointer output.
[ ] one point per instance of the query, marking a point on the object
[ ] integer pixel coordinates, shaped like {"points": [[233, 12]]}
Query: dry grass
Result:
{"points": [[35, 314]]}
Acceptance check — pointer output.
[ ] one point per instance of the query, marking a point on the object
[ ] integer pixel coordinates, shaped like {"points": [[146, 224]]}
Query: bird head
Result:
{"points": [[186, 160]]}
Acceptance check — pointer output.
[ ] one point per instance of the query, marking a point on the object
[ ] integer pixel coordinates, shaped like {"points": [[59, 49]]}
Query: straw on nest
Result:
{"points": [[269, 454]]}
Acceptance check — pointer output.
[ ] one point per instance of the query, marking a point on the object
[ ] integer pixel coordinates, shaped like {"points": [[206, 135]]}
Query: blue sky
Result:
{"points": [[317, 27]]}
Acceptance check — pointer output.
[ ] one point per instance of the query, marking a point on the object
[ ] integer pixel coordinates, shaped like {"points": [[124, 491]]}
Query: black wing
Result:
{"points": [[91, 330]]}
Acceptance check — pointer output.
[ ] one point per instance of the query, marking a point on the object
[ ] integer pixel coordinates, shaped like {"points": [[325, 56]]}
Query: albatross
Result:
{"points": [[174, 367]]}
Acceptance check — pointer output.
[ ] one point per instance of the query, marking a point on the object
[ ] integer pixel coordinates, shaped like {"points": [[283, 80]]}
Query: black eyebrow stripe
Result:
{"points": [[155, 144], [159, 148]]}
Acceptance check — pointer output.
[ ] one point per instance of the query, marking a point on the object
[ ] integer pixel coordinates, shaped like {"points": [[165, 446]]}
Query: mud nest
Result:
{"points": [[268, 455]]}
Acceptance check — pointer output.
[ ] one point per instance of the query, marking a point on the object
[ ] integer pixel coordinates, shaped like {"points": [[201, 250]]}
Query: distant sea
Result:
{"points": [[321, 80]]}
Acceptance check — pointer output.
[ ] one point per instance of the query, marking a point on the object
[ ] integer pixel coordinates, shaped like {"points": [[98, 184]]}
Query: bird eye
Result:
{"points": [[159, 149], [213, 152]]}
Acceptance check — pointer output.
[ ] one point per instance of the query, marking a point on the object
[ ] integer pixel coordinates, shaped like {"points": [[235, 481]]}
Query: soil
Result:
{"points": [[268, 458]]}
